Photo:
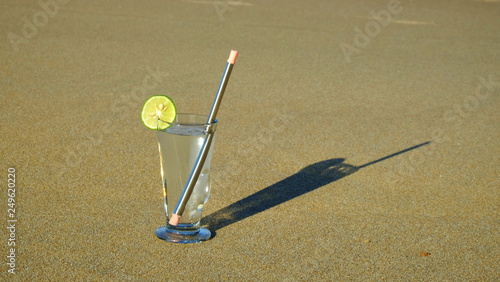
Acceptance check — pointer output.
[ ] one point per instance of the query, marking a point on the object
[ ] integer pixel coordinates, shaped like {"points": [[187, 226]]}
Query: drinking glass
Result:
{"points": [[179, 146]]}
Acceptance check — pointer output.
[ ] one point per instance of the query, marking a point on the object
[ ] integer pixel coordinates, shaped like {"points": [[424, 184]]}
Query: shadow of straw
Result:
{"points": [[308, 179]]}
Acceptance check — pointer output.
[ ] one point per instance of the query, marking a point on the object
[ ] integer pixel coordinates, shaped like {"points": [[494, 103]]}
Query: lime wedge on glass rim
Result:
{"points": [[158, 107]]}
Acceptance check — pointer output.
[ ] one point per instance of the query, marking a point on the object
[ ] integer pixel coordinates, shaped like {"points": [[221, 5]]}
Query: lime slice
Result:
{"points": [[158, 107]]}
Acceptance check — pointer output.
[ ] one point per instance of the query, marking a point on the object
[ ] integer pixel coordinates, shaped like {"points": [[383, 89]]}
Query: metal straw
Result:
{"points": [[195, 173]]}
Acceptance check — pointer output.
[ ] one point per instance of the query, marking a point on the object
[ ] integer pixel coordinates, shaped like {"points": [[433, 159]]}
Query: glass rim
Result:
{"points": [[195, 124]]}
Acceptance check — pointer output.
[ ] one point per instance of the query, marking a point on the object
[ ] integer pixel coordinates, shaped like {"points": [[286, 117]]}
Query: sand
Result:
{"points": [[357, 140]]}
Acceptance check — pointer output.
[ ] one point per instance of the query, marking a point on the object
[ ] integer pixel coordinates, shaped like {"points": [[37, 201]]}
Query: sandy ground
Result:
{"points": [[358, 140]]}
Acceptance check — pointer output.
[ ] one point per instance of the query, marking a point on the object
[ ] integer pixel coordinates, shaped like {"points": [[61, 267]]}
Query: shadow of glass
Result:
{"points": [[307, 179]]}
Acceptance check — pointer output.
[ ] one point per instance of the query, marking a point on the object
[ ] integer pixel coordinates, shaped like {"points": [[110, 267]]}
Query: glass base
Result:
{"points": [[201, 235]]}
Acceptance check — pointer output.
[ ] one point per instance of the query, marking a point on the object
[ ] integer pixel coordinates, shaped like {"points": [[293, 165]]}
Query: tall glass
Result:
{"points": [[179, 147]]}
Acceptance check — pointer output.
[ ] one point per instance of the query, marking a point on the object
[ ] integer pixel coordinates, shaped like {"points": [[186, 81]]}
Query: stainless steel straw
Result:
{"points": [[195, 173]]}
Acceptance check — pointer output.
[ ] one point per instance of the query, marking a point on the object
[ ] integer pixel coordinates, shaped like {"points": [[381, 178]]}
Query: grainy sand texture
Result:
{"points": [[357, 140]]}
